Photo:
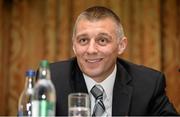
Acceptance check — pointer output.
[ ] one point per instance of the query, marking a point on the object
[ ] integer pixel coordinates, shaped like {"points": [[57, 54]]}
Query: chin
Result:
{"points": [[93, 73]]}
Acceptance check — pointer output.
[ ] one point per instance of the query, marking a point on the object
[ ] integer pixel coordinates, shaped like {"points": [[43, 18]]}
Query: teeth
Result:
{"points": [[93, 60]]}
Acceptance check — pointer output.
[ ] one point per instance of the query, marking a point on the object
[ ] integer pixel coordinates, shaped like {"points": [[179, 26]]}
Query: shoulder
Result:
{"points": [[138, 70], [148, 89], [63, 63], [65, 66], [63, 69], [145, 80], [141, 75]]}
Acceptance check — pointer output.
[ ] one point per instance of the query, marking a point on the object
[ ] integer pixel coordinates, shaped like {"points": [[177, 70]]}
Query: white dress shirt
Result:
{"points": [[107, 85]]}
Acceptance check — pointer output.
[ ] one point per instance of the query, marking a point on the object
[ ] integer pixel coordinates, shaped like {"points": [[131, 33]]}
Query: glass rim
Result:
{"points": [[78, 94]]}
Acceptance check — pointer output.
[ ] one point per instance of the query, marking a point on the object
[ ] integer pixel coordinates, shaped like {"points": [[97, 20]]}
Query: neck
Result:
{"points": [[101, 78]]}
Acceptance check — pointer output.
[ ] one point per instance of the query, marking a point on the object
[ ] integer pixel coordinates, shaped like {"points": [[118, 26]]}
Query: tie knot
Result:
{"points": [[97, 91]]}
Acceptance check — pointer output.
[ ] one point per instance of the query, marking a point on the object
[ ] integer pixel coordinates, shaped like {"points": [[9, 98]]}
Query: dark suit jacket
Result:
{"points": [[137, 90]]}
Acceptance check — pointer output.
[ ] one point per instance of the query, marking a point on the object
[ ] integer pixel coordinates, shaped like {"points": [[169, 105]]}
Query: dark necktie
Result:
{"points": [[99, 108]]}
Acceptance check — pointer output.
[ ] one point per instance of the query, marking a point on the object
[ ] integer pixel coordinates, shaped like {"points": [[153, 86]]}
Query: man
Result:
{"points": [[128, 89]]}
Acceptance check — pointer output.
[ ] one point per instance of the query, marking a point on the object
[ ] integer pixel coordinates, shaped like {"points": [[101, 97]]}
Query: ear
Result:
{"points": [[74, 50], [122, 45]]}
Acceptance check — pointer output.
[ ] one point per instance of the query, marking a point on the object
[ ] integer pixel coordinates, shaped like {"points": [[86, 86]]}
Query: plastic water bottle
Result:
{"points": [[44, 100], [25, 100]]}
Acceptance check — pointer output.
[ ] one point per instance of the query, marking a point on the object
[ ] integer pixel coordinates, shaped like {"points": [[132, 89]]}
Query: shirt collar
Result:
{"points": [[107, 84]]}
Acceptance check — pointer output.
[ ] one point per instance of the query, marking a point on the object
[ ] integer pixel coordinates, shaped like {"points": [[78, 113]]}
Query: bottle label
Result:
{"points": [[43, 108], [35, 108], [47, 108]]}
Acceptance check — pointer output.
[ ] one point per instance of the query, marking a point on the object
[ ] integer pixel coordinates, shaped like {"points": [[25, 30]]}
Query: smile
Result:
{"points": [[93, 60]]}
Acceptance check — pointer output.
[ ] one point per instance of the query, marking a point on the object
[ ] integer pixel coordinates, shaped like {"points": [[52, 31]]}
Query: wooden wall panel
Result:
{"points": [[126, 18], [50, 29], [171, 49], [37, 31], [136, 27], [17, 56], [2, 86], [64, 27], [5, 44], [151, 36]]}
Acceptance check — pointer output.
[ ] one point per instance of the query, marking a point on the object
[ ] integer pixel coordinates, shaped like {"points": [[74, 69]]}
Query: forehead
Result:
{"points": [[106, 24], [85, 20]]}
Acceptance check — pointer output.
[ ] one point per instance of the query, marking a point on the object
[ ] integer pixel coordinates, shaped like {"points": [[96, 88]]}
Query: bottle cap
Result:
{"points": [[30, 73], [44, 63]]}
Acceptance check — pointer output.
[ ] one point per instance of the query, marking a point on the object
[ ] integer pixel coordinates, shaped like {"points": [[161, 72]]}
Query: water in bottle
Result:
{"points": [[25, 100], [44, 100]]}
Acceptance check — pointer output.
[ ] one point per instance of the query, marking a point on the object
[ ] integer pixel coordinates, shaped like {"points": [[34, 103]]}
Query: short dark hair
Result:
{"points": [[98, 13]]}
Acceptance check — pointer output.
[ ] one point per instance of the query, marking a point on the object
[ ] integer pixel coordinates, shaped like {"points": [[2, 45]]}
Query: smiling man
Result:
{"points": [[125, 88], [97, 45]]}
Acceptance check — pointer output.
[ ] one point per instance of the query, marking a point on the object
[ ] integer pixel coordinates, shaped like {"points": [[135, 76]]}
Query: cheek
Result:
{"points": [[79, 50], [111, 50]]}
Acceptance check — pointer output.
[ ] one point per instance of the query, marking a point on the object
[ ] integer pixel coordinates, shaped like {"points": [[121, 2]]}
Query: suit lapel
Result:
{"points": [[78, 82], [122, 92]]}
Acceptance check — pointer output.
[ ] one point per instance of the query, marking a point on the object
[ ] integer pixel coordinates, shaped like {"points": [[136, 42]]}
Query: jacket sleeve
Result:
{"points": [[160, 104]]}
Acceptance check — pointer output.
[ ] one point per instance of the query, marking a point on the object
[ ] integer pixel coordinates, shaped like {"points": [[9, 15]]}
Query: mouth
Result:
{"points": [[94, 60]]}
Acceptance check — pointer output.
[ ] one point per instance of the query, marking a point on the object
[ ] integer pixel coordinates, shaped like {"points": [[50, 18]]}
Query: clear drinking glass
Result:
{"points": [[78, 105]]}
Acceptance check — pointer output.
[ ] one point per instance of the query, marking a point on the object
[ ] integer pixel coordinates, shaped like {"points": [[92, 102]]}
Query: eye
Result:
{"points": [[102, 41], [83, 41]]}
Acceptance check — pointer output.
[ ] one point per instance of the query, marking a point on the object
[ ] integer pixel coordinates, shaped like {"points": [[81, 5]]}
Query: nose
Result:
{"points": [[92, 49]]}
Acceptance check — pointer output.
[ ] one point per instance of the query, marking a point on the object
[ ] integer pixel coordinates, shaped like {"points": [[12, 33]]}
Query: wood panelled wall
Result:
{"points": [[32, 30]]}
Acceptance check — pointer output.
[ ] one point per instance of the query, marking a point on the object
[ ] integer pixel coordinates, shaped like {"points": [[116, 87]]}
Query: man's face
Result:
{"points": [[96, 47]]}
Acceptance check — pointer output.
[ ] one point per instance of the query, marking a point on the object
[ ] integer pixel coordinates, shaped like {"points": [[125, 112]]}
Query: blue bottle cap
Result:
{"points": [[30, 73]]}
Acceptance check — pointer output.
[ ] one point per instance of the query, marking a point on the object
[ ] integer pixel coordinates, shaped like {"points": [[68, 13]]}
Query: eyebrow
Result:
{"points": [[104, 34], [100, 34], [81, 35]]}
